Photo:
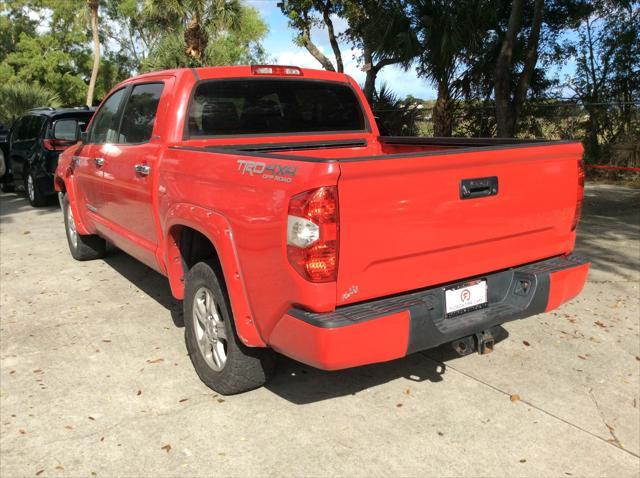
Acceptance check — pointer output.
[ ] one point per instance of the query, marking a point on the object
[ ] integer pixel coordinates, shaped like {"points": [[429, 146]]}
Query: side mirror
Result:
{"points": [[66, 130], [84, 137]]}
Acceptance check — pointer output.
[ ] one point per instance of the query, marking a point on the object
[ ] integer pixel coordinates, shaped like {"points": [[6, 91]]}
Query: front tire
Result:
{"points": [[82, 247], [221, 360]]}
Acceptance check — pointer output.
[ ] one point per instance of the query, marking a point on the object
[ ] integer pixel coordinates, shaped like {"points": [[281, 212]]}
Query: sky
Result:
{"points": [[280, 47]]}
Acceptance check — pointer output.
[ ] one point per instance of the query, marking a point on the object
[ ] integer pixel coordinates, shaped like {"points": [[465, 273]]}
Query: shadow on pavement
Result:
{"points": [[150, 282], [15, 203], [611, 215], [301, 384]]}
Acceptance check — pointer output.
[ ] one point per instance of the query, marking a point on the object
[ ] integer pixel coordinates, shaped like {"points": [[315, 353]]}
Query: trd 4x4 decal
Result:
{"points": [[273, 171]]}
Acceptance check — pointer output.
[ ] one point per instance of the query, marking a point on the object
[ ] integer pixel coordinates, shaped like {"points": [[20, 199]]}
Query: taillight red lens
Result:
{"points": [[312, 234], [55, 145], [579, 199]]}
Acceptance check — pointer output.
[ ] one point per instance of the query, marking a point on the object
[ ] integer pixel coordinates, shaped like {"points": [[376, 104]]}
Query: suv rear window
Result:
{"points": [[271, 106]]}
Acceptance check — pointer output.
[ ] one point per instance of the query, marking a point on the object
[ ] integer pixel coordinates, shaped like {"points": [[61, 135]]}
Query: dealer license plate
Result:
{"points": [[466, 297]]}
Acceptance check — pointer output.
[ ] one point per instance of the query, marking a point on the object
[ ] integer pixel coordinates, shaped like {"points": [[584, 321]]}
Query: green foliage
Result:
{"points": [[18, 98], [203, 33], [398, 117]]}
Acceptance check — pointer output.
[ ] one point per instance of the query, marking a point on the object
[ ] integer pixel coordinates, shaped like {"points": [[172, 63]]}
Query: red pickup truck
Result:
{"points": [[286, 222]]}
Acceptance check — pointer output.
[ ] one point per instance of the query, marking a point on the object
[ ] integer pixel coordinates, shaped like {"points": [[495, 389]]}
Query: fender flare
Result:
{"points": [[71, 199], [217, 230]]}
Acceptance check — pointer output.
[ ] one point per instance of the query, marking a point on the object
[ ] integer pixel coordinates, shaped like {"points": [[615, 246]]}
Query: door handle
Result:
{"points": [[99, 162], [142, 169]]}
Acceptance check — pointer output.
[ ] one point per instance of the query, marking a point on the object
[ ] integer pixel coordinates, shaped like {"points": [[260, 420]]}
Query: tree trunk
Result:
{"points": [[93, 6], [315, 52], [530, 62], [503, 75], [196, 39], [326, 15], [443, 113]]}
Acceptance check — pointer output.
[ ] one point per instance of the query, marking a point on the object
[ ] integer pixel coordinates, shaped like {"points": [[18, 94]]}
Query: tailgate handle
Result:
{"points": [[478, 187]]}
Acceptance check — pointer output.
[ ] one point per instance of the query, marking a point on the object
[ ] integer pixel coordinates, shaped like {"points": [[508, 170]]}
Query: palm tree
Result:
{"points": [[195, 21], [93, 8], [447, 29], [19, 97]]}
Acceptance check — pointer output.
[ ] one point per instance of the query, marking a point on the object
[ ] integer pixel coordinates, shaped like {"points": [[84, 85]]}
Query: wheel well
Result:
{"points": [[60, 184], [195, 247]]}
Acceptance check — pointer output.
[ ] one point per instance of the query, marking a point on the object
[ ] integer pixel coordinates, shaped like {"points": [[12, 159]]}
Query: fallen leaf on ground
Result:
{"points": [[581, 357], [37, 370], [22, 431], [139, 392], [91, 418], [158, 360], [38, 473], [637, 358], [526, 343], [59, 467], [522, 460], [102, 439], [399, 405], [25, 233], [106, 340], [407, 391], [514, 398], [69, 427], [220, 400], [167, 448], [600, 324], [183, 400]]}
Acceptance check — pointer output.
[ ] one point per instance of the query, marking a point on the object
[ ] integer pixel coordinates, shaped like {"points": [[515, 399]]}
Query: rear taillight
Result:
{"points": [[578, 212], [312, 234], [55, 144]]}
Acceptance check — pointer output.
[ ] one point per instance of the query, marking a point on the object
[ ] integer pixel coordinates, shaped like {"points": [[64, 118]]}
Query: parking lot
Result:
{"points": [[95, 378]]}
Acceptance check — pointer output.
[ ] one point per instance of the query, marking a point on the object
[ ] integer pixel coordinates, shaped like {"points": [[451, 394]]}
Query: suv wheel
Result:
{"points": [[35, 197], [82, 247], [221, 360]]}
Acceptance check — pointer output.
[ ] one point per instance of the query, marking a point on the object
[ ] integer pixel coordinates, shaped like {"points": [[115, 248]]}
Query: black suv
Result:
{"points": [[36, 140]]}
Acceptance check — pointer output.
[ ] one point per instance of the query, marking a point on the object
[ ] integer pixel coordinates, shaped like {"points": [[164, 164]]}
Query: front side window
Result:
{"points": [[105, 124], [273, 106], [140, 113]]}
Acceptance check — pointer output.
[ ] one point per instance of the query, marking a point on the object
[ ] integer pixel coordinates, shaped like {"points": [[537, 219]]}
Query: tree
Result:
{"points": [[203, 32], [378, 29], [508, 104], [607, 76], [381, 30], [18, 98], [303, 15], [195, 21], [93, 8], [448, 31]]}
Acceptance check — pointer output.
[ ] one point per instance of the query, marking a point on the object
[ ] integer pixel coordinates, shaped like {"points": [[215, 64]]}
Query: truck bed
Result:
{"points": [[403, 214]]}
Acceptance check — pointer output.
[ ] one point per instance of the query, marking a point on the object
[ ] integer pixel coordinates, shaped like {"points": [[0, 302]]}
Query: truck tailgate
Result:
{"points": [[404, 225]]}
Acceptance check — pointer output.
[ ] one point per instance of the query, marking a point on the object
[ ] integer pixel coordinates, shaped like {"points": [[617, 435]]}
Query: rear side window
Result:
{"points": [[27, 128], [140, 113], [105, 125], [261, 106]]}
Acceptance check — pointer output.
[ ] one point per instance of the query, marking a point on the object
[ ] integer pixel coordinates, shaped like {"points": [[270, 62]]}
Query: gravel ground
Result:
{"points": [[94, 378]]}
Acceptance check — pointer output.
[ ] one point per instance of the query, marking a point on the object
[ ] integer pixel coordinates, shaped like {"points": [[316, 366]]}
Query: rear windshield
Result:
{"points": [[266, 106]]}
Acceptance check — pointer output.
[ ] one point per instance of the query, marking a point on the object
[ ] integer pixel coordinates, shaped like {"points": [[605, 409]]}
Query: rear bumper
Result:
{"points": [[390, 328]]}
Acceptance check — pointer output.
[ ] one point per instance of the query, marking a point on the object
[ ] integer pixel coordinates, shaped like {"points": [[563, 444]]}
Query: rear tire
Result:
{"points": [[221, 360], [82, 247], [35, 197]]}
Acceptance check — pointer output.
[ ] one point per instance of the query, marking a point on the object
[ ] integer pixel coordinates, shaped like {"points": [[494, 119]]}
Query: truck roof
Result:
{"points": [[244, 71]]}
